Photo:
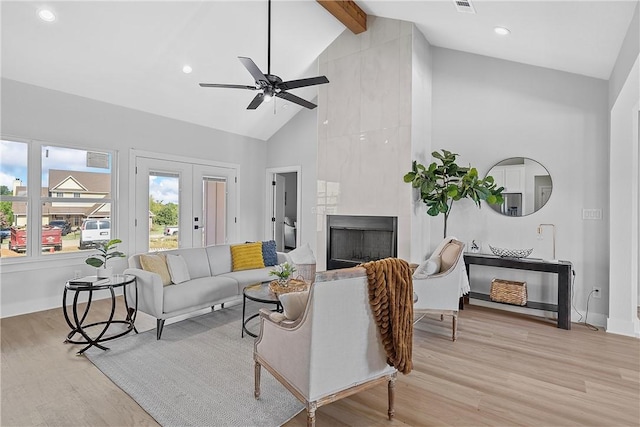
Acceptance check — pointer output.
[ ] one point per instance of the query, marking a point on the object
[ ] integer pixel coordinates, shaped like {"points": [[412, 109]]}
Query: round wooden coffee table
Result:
{"points": [[258, 292]]}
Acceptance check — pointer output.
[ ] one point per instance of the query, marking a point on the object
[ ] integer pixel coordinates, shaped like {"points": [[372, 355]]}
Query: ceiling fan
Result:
{"points": [[269, 84]]}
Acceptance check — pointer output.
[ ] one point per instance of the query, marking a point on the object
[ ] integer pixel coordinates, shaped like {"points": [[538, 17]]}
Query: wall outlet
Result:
{"points": [[596, 292]]}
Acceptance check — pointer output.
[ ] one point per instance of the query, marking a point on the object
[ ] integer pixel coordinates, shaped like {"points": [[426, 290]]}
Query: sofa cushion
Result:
{"points": [[196, 260], [269, 254], [177, 268], [219, 259], [197, 291], [247, 256], [156, 263], [249, 277]]}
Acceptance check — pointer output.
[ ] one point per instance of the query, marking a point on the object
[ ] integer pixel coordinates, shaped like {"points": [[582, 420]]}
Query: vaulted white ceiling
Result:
{"points": [[132, 53]]}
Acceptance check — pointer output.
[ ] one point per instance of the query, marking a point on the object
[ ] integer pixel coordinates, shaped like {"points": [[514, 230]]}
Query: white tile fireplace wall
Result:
{"points": [[365, 127]]}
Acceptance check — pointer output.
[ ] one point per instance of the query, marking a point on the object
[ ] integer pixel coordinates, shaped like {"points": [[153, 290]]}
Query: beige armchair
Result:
{"points": [[440, 281], [332, 351]]}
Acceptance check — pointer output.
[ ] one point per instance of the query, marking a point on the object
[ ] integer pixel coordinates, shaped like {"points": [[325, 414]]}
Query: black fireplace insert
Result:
{"points": [[354, 239]]}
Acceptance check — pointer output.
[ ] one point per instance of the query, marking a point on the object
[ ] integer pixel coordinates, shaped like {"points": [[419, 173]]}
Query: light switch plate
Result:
{"points": [[592, 214]]}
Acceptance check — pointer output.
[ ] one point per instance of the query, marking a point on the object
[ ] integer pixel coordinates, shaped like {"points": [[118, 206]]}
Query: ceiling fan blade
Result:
{"points": [[255, 103], [296, 100], [253, 69], [292, 84], [228, 86]]}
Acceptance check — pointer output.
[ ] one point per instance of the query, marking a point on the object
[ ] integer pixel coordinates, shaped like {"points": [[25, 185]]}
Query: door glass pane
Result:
{"points": [[13, 197], [164, 200], [214, 211]]}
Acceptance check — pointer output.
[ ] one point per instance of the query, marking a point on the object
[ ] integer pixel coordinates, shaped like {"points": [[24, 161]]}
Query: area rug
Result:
{"points": [[199, 374]]}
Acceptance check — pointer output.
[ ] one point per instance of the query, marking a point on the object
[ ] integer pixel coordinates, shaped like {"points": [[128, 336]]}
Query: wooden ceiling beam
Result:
{"points": [[347, 12]]}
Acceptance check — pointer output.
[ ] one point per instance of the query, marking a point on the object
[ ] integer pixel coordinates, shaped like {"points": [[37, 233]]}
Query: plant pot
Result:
{"points": [[104, 272]]}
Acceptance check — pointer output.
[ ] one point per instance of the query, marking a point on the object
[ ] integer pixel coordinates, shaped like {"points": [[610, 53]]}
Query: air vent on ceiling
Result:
{"points": [[464, 6]]}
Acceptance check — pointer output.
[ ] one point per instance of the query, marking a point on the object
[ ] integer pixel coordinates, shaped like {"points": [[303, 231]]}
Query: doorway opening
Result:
{"points": [[283, 207]]}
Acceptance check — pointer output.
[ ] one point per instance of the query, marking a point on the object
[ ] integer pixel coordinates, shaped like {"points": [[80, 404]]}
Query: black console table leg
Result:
{"points": [[564, 298]]}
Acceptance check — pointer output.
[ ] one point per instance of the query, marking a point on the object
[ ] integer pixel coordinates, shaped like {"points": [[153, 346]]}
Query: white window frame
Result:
{"points": [[33, 257]]}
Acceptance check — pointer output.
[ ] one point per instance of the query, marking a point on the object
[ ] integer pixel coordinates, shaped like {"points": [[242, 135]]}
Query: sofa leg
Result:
{"points": [[159, 326]]}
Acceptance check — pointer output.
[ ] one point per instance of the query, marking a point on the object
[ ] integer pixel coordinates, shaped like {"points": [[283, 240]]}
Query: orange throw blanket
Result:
{"points": [[391, 299]]}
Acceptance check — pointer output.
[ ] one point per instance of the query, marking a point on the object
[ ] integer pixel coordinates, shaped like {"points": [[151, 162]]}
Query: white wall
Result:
{"points": [[626, 57], [296, 144], [625, 195], [624, 181], [421, 140], [35, 113], [489, 109]]}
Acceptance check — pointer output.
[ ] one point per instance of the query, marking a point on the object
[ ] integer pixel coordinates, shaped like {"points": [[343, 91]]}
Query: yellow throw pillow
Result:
{"points": [[156, 264], [247, 256]]}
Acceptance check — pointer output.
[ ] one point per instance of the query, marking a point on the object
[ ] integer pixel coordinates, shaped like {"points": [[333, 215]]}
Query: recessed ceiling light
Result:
{"points": [[187, 69], [46, 15], [501, 31]]}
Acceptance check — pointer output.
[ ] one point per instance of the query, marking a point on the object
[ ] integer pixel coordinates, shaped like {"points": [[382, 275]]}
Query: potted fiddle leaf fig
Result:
{"points": [[444, 182], [107, 250]]}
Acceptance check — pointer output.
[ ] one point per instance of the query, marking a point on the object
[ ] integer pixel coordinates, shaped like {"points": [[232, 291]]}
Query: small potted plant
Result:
{"points": [[283, 272], [107, 251]]}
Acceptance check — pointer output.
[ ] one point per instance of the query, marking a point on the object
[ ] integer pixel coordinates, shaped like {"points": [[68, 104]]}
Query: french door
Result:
{"points": [[181, 204]]}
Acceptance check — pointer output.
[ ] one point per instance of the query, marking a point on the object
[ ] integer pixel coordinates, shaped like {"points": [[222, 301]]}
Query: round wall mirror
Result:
{"points": [[527, 186]]}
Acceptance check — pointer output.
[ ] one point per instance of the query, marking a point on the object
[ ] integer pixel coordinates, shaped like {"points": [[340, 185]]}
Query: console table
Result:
{"points": [[561, 268]]}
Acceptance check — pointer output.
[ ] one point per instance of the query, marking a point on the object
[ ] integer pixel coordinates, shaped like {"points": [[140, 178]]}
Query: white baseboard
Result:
{"points": [[595, 319]]}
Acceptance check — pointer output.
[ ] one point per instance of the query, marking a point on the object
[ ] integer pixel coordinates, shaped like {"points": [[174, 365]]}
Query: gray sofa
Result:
{"points": [[212, 282]]}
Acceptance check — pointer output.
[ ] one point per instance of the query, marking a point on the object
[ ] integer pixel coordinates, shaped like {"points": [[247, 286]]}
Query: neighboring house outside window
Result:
{"points": [[76, 186]]}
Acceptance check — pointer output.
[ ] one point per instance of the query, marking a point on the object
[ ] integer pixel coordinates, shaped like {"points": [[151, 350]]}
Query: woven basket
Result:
{"points": [[509, 292], [307, 271]]}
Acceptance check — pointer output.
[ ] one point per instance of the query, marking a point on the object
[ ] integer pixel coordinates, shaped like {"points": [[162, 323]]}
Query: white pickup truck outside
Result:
{"points": [[171, 231]]}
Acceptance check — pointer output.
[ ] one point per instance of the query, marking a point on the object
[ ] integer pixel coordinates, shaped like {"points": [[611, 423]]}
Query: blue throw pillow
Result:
{"points": [[269, 253]]}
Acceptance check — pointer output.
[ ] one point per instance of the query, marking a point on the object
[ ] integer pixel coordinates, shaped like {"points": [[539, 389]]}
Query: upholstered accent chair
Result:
{"points": [[440, 282], [332, 350]]}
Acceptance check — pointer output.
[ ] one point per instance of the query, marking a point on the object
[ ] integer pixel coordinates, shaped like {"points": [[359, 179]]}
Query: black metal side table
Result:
{"points": [[77, 322], [259, 292]]}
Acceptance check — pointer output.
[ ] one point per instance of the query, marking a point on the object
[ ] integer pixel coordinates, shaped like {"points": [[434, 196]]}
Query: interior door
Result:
{"points": [[278, 210]]}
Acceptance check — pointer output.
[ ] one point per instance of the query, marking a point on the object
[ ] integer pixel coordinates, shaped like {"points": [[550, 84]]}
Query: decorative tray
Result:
{"points": [[511, 253], [293, 285]]}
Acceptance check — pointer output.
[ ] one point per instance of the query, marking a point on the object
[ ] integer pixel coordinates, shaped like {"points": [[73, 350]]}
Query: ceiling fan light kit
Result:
{"points": [[269, 84]]}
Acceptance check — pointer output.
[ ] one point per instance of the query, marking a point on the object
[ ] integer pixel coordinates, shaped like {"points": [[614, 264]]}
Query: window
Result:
{"points": [[13, 197], [73, 187]]}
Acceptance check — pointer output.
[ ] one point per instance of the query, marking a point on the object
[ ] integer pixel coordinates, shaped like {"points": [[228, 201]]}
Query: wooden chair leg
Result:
{"points": [[256, 391], [391, 387], [311, 414], [455, 326]]}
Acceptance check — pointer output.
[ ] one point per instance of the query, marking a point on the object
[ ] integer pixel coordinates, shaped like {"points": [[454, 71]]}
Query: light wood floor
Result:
{"points": [[505, 370]]}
